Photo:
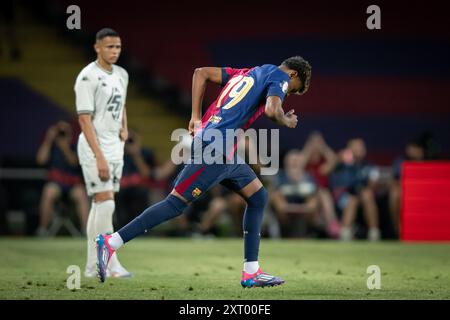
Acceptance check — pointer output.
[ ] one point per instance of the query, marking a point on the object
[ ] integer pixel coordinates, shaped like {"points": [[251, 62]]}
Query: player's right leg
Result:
{"points": [[243, 180], [100, 220], [256, 197], [164, 210], [192, 181]]}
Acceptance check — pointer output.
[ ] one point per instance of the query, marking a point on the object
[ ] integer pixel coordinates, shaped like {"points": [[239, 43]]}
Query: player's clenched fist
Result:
{"points": [[291, 119]]}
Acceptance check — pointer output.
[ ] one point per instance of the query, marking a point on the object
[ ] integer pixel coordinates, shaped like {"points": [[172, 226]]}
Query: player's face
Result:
{"points": [[295, 84], [109, 49]]}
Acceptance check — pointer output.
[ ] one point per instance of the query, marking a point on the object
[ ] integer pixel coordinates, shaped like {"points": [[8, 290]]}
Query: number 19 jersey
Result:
{"points": [[102, 94], [242, 99]]}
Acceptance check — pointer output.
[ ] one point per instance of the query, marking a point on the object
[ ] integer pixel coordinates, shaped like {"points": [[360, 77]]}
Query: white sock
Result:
{"points": [[251, 267], [104, 224], [103, 216], [115, 241], [91, 233]]}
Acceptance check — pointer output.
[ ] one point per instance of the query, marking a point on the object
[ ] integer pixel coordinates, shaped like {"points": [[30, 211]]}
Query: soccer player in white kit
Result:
{"points": [[101, 89]]}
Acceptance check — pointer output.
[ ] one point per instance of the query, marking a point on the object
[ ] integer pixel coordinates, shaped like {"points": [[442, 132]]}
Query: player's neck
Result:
{"points": [[104, 65]]}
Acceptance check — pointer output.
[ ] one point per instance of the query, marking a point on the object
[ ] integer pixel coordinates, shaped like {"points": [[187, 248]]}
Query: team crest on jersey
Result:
{"points": [[196, 192], [284, 86], [215, 119]]}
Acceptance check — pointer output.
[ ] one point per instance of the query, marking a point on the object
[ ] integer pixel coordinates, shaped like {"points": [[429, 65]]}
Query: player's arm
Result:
{"points": [[275, 112], [85, 87], [87, 127], [199, 80]]}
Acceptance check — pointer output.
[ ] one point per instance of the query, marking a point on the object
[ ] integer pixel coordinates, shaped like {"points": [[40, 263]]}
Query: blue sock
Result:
{"points": [[167, 209], [253, 217]]}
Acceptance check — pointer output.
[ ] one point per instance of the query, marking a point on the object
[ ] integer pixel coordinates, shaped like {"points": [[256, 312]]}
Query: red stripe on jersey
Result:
{"points": [[181, 188], [213, 108], [255, 116]]}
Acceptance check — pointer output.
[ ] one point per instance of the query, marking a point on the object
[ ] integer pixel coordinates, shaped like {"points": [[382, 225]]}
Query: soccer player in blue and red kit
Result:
{"points": [[246, 94]]}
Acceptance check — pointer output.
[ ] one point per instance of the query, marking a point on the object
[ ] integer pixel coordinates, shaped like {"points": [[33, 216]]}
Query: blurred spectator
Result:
{"points": [[57, 153], [353, 182], [320, 161], [134, 194], [202, 217], [223, 201], [295, 199], [430, 146], [414, 151], [8, 30]]}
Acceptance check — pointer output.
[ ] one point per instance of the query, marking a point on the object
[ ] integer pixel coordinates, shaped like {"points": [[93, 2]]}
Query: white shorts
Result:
{"points": [[95, 185]]}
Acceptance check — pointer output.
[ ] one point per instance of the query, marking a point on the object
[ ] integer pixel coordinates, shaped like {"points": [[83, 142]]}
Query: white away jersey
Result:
{"points": [[102, 94]]}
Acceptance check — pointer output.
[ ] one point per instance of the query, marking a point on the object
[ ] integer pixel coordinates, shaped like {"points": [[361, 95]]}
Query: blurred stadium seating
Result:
{"points": [[385, 88]]}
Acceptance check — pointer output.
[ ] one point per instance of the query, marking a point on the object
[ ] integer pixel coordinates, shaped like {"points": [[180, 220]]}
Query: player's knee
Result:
{"points": [[259, 198], [178, 204], [104, 196], [105, 208]]}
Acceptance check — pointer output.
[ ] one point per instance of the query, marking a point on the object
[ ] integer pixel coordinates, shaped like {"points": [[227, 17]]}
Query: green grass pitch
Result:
{"points": [[211, 269]]}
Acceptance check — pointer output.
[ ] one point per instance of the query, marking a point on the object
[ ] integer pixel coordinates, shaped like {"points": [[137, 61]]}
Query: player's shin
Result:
{"points": [[103, 216], [91, 233], [162, 211], [253, 217], [104, 224]]}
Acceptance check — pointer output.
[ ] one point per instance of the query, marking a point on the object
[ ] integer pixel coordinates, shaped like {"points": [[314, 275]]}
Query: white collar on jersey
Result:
{"points": [[104, 70]]}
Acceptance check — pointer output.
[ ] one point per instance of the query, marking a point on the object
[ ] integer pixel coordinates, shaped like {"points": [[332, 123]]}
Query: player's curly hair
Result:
{"points": [[303, 68]]}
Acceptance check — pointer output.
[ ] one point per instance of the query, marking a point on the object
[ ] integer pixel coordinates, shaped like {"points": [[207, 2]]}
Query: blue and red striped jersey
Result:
{"points": [[243, 96]]}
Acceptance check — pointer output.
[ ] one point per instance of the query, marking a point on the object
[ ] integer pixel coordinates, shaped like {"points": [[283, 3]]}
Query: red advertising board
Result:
{"points": [[425, 207]]}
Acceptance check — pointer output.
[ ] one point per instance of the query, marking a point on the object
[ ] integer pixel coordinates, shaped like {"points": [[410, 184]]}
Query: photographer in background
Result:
{"points": [[57, 153]]}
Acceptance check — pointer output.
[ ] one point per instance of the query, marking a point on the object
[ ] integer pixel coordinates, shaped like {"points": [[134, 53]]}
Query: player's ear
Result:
{"points": [[97, 47], [293, 74]]}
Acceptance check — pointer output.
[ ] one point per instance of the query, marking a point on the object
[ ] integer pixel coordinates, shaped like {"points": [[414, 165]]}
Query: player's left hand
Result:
{"points": [[290, 119], [123, 134]]}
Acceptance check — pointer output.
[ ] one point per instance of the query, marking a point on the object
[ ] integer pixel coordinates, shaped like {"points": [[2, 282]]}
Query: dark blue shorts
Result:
{"points": [[195, 179]]}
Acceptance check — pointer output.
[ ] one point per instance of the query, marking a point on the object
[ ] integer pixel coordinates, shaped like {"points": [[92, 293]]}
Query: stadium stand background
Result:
{"points": [[385, 87]]}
